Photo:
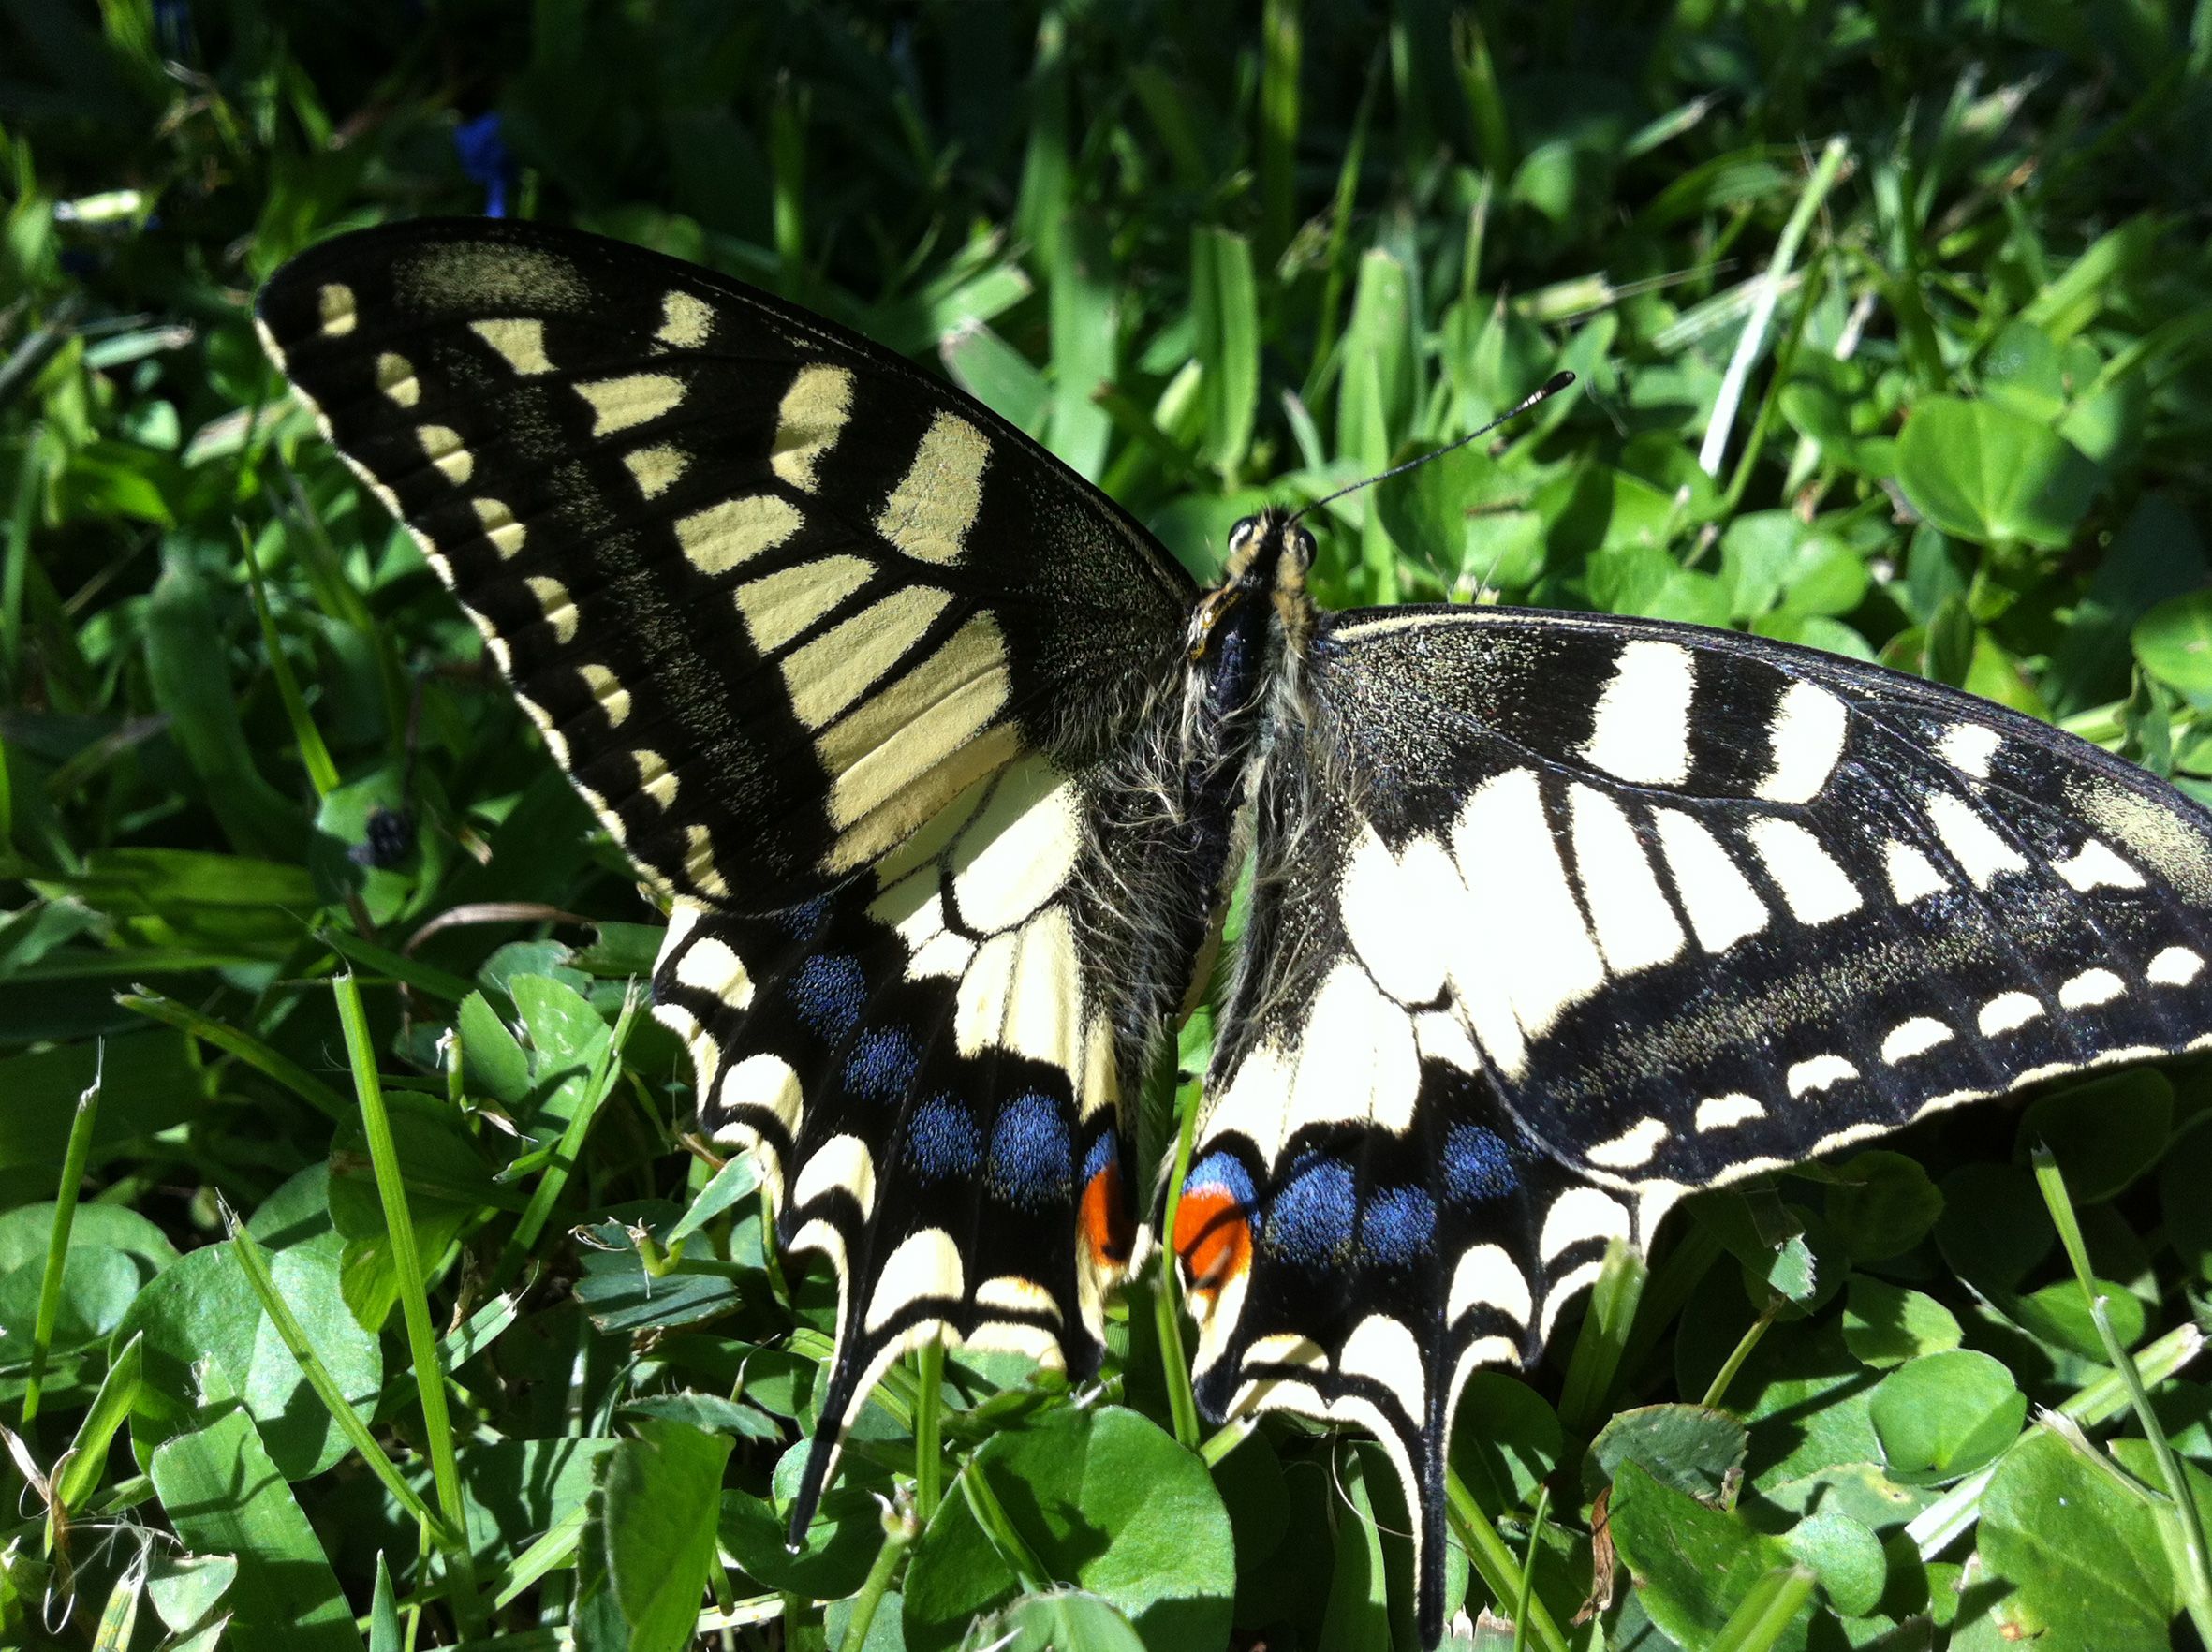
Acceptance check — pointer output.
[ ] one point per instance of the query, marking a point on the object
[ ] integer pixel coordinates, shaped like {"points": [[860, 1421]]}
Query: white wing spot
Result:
{"points": [[2094, 865], [655, 780], [614, 700], [2007, 1011], [395, 378], [1911, 1037], [1553, 961], [635, 398], [1287, 1348], [654, 469], [837, 668], [1636, 928], [1381, 1349], [2175, 966], [712, 966], [1968, 747], [699, 864], [560, 613], [1981, 854], [767, 1081], [1807, 739], [2090, 988], [1724, 1113], [499, 526], [1357, 1061], [1487, 1277], [443, 447], [1641, 731], [1397, 912], [1017, 852], [1817, 887], [1440, 1038], [719, 538], [520, 342], [335, 304], [1636, 1145], [1010, 1293], [808, 421], [1580, 1214], [930, 511], [1723, 906], [841, 1164], [926, 1264], [778, 606], [1913, 876], [685, 321], [1816, 1073]]}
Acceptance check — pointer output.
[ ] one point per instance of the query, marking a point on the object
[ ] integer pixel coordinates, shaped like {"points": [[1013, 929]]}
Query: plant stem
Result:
{"points": [[898, 1532], [929, 1458], [2196, 1578], [1742, 1351], [1527, 1591], [1493, 1562], [1167, 1304]]}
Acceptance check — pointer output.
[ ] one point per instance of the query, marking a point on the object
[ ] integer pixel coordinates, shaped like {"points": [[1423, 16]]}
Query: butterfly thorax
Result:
{"points": [[1166, 809]]}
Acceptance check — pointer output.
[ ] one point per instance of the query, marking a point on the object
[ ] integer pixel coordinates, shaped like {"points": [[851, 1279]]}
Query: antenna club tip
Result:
{"points": [[1558, 382]]}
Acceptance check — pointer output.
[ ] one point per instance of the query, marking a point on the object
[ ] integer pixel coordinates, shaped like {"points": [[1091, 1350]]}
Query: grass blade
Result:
{"points": [[74, 1158], [430, 1381]]}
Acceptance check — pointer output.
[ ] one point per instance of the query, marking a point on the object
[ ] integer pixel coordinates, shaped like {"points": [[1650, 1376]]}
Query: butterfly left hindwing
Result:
{"points": [[1558, 917]]}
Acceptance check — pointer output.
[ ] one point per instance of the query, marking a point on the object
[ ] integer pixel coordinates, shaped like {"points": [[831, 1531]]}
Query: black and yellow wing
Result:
{"points": [[778, 600], [1558, 917]]}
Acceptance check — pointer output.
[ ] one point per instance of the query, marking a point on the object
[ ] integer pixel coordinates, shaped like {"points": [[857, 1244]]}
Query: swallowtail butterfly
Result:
{"points": [[942, 765]]}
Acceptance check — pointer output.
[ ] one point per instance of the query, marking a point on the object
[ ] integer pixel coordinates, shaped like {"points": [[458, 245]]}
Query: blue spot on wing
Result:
{"points": [[1104, 1151], [826, 992], [1397, 1225], [1311, 1219], [942, 1139], [805, 920], [881, 1064], [1223, 1170], [1031, 1155], [1478, 1165]]}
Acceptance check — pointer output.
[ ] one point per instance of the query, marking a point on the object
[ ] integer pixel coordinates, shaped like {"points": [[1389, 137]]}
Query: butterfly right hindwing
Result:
{"points": [[1557, 917]]}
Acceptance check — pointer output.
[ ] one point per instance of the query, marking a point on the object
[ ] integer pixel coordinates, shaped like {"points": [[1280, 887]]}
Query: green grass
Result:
{"points": [[1892, 324]]}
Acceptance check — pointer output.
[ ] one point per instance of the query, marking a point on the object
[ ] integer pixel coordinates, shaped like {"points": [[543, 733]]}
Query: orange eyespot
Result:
{"points": [[1213, 1238], [1102, 1218]]}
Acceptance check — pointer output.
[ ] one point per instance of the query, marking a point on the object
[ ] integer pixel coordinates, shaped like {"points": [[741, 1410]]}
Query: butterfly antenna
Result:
{"points": [[1552, 387]]}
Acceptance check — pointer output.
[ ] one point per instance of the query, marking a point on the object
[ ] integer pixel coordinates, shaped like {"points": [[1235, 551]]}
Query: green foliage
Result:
{"points": [[1936, 397]]}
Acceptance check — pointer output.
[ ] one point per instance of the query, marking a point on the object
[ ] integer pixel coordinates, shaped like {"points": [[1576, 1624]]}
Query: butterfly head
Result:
{"points": [[1268, 556]]}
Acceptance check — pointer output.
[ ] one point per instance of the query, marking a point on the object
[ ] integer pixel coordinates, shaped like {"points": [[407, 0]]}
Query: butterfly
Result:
{"points": [[944, 769]]}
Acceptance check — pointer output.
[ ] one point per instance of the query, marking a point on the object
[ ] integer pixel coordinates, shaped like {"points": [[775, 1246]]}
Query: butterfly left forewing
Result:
{"points": [[1557, 917], [774, 596]]}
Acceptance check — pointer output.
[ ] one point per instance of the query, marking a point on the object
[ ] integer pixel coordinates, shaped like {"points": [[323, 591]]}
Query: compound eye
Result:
{"points": [[1243, 532]]}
